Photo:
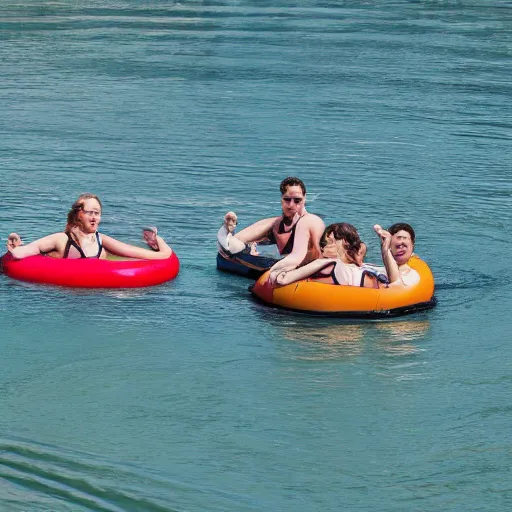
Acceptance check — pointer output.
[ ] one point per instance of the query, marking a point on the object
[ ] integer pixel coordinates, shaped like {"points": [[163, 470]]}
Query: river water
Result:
{"points": [[190, 396]]}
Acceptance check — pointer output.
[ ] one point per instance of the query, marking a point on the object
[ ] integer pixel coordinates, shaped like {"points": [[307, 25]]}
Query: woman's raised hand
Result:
{"points": [[149, 235]]}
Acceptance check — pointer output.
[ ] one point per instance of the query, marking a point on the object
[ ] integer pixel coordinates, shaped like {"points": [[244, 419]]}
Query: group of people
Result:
{"points": [[333, 254]]}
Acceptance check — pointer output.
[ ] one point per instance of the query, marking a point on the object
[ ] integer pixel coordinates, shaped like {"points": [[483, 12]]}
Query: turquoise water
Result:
{"points": [[190, 396]]}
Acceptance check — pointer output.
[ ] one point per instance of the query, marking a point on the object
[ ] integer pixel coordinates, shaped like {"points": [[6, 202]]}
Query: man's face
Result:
{"points": [[292, 201], [401, 247]]}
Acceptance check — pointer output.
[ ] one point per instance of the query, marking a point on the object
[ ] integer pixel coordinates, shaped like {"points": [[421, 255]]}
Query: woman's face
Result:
{"points": [[90, 215]]}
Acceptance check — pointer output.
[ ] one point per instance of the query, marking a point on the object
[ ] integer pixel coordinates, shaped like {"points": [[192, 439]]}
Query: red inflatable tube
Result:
{"points": [[91, 272]]}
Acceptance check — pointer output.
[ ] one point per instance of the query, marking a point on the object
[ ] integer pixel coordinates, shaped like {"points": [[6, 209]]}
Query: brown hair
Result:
{"points": [[348, 234], [73, 220], [291, 181], [402, 226]]}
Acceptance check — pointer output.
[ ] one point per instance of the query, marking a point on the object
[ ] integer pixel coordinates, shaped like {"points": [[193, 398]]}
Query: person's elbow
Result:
{"points": [[165, 253]]}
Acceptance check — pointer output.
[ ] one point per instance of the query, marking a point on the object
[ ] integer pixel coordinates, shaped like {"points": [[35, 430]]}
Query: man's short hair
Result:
{"points": [[291, 181], [402, 226]]}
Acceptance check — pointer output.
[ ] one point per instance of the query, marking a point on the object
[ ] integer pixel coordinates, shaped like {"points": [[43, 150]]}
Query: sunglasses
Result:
{"points": [[296, 200], [91, 213]]}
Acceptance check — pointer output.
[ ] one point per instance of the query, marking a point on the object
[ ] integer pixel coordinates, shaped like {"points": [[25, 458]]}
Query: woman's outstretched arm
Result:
{"points": [[160, 250], [19, 251]]}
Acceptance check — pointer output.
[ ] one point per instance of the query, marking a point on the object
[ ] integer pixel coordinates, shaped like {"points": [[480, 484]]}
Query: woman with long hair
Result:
{"points": [[81, 239]]}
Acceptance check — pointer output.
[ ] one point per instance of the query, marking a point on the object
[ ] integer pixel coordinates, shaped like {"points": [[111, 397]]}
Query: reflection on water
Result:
{"points": [[187, 396], [399, 335], [343, 340], [404, 330], [328, 341]]}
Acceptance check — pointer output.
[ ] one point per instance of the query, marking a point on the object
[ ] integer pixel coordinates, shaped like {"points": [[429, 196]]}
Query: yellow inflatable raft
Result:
{"points": [[350, 301]]}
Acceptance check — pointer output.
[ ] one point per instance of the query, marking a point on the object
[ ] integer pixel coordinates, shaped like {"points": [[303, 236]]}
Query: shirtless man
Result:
{"points": [[296, 232], [397, 244]]}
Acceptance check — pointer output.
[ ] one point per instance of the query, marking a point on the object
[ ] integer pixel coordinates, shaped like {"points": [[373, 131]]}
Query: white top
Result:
{"points": [[351, 275], [348, 273]]}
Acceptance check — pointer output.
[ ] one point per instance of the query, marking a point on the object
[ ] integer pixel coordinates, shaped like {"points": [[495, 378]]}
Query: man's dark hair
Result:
{"points": [[402, 226], [291, 181]]}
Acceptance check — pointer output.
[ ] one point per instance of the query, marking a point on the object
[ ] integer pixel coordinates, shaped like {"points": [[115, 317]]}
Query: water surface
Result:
{"points": [[190, 396]]}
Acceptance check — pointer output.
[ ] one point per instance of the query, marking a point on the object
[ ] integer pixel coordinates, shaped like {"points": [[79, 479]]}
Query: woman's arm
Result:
{"points": [[118, 248], [284, 276], [19, 251]]}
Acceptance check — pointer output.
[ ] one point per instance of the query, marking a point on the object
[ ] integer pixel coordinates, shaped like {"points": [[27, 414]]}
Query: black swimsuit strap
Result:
{"points": [[379, 278], [282, 226], [100, 245], [319, 274], [287, 249], [271, 237], [71, 243], [333, 274], [361, 284]]}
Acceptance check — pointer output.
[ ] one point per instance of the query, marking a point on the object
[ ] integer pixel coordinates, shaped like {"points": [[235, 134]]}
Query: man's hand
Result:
{"points": [[385, 237]]}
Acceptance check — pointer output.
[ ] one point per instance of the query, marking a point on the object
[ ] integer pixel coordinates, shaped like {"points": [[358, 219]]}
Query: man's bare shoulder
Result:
{"points": [[313, 220]]}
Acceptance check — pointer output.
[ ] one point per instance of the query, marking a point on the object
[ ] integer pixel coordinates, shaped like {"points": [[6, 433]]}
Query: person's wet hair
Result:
{"points": [[325, 235], [348, 234], [291, 181], [402, 226], [73, 220]]}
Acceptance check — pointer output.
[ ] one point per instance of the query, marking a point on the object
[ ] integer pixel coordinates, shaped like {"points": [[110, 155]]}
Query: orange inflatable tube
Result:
{"points": [[351, 301]]}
